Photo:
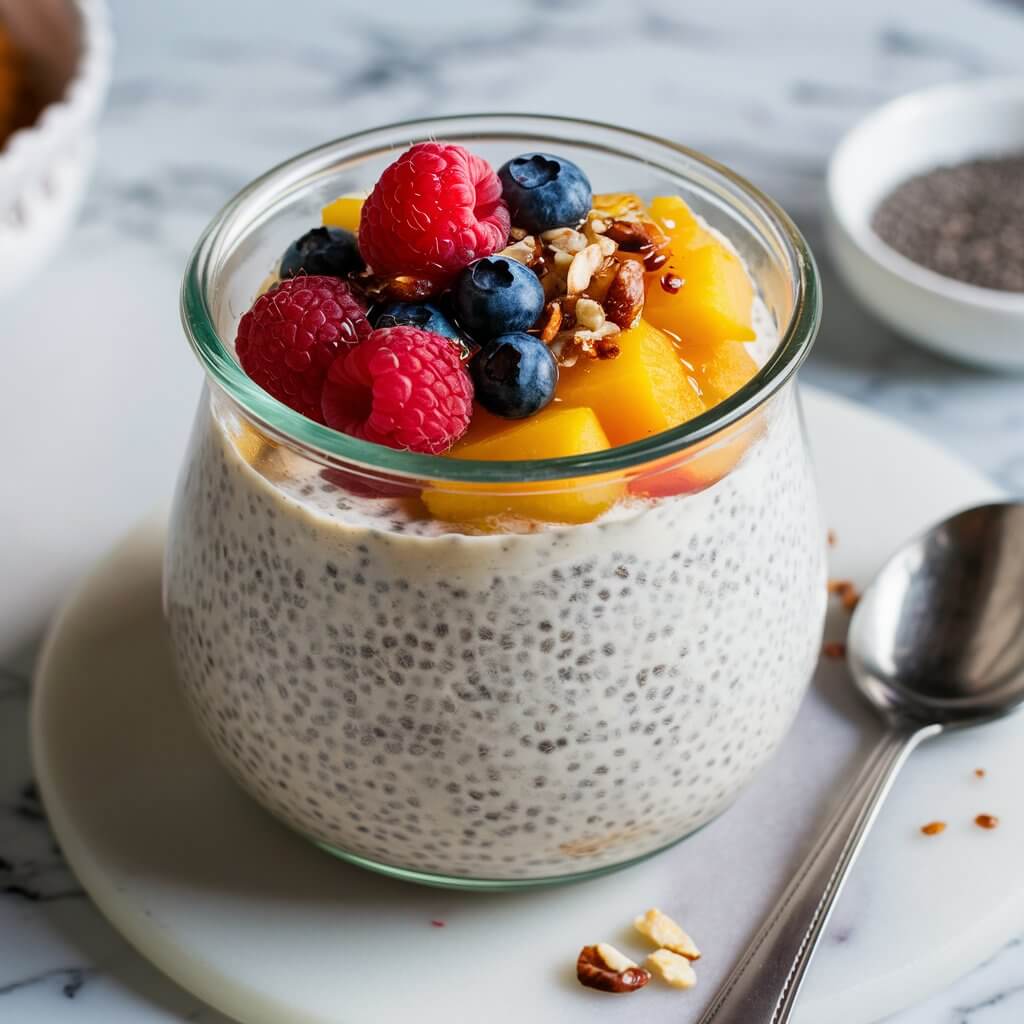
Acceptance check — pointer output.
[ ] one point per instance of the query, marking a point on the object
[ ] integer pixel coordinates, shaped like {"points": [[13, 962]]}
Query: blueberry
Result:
{"points": [[330, 251], [424, 315], [496, 295], [514, 376], [545, 191]]}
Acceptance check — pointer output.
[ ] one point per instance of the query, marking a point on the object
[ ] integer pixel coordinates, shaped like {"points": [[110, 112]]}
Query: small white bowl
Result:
{"points": [[943, 125], [45, 166]]}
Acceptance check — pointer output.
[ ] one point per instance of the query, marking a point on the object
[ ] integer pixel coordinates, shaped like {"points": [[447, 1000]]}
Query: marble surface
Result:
{"points": [[206, 96]]}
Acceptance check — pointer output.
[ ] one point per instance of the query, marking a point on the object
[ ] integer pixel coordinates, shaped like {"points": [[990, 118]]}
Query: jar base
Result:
{"points": [[465, 884]]}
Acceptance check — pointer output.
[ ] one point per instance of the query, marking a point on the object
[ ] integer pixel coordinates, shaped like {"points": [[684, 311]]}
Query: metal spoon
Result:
{"points": [[936, 643]]}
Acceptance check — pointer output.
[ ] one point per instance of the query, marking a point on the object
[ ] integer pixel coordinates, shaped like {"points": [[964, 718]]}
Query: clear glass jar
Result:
{"points": [[513, 701]]}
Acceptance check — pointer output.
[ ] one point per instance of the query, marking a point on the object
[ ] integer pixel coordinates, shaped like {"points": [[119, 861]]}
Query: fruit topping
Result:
{"points": [[514, 375], [596, 320], [330, 251], [403, 387], [714, 302], [424, 315], [554, 432], [641, 392], [496, 295], [434, 210], [545, 191], [292, 334], [344, 212]]}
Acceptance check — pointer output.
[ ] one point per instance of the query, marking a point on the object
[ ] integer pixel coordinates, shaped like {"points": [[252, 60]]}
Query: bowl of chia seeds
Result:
{"points": [[925, 218]]}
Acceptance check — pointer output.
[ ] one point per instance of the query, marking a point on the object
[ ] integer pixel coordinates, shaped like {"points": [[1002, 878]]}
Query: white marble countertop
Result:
{"points": [[101, 387]]}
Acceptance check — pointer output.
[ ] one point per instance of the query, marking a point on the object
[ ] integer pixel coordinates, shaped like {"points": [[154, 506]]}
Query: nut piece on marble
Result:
{"points": [[673, 969], [663, 931], [603, 967]]}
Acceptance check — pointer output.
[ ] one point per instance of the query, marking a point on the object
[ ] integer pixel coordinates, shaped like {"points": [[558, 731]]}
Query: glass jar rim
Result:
{"points": [[257, 201]]}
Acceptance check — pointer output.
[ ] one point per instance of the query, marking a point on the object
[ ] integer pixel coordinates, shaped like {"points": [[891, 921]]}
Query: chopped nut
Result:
{"points": [[613, 959], [834, 649], [663, 931], [979, 773], [589, 314], [986, 821], [846, 592], [569, 345], [564, 240], [672, 968], [594, 972], [625, 299], [602, 280], [832, 538], [582, 269], [933, 828], [527, 251], [552, 321]]}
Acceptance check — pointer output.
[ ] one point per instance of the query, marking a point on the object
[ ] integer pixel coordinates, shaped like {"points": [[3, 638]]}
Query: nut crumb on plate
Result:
{"points": [[846, 591], [593, 971], [979, 773], [663, 931], [834, 649], [986, 821], [933, 828], [672, 968]]}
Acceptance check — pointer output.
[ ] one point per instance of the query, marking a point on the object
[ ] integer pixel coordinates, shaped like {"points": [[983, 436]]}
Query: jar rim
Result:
{"points": [[256, 202]]}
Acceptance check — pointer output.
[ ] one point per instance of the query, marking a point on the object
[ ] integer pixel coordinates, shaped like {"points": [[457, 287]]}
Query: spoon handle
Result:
{"points": [[763, 986]]}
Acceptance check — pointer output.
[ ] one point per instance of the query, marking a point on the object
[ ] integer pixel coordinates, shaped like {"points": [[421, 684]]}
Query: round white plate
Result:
{"points": [[268, 929]]}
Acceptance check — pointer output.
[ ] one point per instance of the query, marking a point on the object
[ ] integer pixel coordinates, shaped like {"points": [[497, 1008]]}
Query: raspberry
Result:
{"points": [[289, 338], [403, 387], [433, 211]]}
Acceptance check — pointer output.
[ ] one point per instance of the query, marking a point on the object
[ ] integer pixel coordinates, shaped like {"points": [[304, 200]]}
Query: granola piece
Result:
{"points": [[663, 931], [672, 968], [526, 250], [564, 240]]}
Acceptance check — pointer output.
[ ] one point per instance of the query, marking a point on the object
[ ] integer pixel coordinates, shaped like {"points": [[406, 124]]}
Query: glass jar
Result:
{"points": [[582, 677]]}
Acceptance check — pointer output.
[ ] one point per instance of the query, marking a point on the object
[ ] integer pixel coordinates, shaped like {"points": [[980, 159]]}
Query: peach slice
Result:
{"points": [[715, 300], [555, 432], [703, 465], [719, 369], [344, 212], [642, 391]]}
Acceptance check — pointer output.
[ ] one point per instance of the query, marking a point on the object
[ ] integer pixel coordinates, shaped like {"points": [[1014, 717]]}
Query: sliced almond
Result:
{"points": [[582, 269], [672, 968], [663, 931]]}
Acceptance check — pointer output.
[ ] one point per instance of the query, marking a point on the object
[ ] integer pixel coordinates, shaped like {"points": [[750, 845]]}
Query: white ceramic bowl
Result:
{"points": [[943, 125], [45, 166]]}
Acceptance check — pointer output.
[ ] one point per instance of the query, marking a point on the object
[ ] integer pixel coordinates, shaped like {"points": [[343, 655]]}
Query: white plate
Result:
{"points": [[268, 929]]}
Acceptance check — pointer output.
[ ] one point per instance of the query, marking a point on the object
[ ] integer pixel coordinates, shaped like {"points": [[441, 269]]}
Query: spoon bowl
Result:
{"points": [[938, 637], [937, 641]]}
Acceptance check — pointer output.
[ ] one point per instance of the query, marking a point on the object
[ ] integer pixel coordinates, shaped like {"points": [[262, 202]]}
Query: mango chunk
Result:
{"points": [[720, 370], [678, 221], [555, 432], [344, 212], [642, 391], [702, 466], [715, 301]]}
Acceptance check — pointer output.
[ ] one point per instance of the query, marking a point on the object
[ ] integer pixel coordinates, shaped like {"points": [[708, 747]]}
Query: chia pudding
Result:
{"points": [[507, 701]]}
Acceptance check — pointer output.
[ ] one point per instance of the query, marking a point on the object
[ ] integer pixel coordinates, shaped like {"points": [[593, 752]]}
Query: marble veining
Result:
{"points": [[208, 95]]}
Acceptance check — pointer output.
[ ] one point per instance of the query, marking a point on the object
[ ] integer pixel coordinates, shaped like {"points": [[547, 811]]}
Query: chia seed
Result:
{"points": [[964, 221]]}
